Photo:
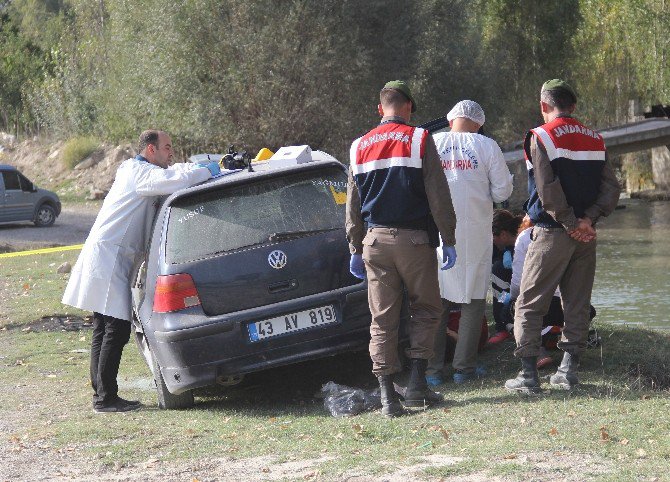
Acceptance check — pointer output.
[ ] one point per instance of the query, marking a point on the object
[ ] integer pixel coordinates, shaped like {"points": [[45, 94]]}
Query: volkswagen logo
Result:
{"points": [[277, 259]]}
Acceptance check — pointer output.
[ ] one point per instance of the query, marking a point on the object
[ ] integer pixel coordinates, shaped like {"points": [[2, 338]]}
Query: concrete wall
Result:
{"points": [[520, 192], [660, 166]]}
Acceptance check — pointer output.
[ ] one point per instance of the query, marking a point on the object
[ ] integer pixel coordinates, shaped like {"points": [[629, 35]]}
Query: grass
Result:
{"points": [[612, 427], [30, 287], [77, 149]]}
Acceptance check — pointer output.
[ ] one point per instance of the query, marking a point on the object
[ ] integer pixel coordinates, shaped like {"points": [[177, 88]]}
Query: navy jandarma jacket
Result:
{"points": [[386, 163], [577, 156]]}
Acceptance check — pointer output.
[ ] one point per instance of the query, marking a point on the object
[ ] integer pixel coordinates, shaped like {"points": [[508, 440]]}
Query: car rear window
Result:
{"points": [[235, 217]]}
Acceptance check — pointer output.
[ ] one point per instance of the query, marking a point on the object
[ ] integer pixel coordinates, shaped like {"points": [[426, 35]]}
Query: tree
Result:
{"points": [[20, 63], [524, 44]]}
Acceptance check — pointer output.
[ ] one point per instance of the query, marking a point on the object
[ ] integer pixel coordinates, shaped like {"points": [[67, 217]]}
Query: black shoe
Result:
{"points": [[417, 393], [130, 402], [565, 377], [116, 406], [390, 400], [528, 380]]}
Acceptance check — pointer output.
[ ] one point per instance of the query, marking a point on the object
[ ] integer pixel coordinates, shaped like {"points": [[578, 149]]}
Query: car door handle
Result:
{"points": [[280, 286]]}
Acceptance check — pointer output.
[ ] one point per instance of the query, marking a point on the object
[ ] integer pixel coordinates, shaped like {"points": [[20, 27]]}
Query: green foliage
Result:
{"points": [[20, 63], [271, 73], [524, 44], [638, 171], [77, 149], [624, 53]]}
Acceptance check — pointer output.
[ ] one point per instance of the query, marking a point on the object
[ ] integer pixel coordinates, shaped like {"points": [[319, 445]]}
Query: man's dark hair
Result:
{"points": [[149, 137], [392, 98], [504, 220], [558, 98]]}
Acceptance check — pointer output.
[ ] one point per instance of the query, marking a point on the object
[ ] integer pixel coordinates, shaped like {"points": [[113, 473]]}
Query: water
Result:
{"points": [[633, 271]]}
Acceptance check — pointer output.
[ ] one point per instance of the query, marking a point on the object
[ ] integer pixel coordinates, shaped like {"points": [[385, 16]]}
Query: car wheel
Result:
{"points": [[45, 216], [166, 400]]}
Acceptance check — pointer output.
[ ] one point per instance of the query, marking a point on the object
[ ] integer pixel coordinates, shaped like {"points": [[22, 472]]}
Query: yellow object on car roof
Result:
{"points": [[263, 155]]}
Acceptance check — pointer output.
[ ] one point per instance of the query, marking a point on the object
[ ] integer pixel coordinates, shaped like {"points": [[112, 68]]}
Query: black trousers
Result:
{"points": [[109, 337]]}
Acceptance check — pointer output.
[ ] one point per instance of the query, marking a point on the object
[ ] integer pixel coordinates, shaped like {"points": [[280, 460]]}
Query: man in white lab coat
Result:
{"points": [[100, 280], [478, 176]]}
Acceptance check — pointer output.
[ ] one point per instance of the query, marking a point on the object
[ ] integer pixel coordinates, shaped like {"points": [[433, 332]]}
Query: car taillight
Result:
{"points": [[175, 292]]}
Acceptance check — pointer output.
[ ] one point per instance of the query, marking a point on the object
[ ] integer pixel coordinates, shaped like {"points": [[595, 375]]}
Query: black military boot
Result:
{"points": [[390, 400], [417, 393], [528, 380], [566, 375]]}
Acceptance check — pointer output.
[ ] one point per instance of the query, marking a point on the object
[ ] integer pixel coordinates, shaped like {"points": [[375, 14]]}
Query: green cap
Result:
{"points": [[558, 84], [401, 86]]}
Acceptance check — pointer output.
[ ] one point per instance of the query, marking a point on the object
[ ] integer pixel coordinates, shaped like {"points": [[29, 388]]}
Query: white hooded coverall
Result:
{"points": [[478, 176], [100, 280]]}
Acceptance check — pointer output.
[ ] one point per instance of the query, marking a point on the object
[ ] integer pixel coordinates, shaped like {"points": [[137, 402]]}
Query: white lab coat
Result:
{"points": [[100, 280], [478, 176]]}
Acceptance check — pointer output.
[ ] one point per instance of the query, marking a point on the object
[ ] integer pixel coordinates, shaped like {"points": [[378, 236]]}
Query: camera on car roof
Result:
{"points": [[236, 160]]}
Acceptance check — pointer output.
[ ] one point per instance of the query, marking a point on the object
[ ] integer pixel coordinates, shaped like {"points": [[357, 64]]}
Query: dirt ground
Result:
{"points": [[27, 458], [71, 227]]}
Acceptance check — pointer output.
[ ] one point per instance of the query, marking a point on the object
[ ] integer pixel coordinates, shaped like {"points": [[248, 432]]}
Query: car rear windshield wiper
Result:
{"points": [[296, 234]]}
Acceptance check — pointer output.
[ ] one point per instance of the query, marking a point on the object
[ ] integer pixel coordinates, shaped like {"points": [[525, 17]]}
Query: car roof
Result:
{"points": [[7, 167], [205, 157], [261, 169]]}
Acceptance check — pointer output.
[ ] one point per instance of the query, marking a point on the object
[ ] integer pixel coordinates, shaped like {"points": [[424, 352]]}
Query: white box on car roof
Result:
{"points": [[290, 156]]}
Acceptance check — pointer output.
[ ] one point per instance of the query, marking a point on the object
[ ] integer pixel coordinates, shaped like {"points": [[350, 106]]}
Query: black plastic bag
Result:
{"points": [[344, 401]]}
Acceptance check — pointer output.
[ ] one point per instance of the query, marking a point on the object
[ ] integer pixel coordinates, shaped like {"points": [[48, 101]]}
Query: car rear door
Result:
{"points": [[264, 241]]}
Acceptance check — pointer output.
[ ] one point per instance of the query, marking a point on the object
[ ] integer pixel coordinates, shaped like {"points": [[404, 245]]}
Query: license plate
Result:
{"points": [[281, 325]]}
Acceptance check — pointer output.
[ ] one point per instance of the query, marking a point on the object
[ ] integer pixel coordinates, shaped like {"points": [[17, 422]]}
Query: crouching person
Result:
{"points": [[397, 188]]}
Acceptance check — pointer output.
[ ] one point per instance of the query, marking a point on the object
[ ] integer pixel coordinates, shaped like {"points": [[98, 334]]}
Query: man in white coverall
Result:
{"points": [[100, 280], [478, 176]]}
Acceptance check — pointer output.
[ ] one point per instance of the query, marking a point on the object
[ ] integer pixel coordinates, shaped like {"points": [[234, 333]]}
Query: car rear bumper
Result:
{"points": [[181, 379], [192, 357]]}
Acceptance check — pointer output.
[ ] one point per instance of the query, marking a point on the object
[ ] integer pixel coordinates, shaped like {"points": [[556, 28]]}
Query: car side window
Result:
{"points": [[11, 180], [26, 185]]}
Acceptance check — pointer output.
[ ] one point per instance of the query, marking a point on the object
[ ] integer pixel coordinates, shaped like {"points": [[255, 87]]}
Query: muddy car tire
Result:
{"points": [[166, 400], [45, 216]]}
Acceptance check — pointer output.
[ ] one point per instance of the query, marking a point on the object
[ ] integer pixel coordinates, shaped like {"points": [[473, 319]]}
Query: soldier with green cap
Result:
{"points": [[398, 201], [571, 185]]}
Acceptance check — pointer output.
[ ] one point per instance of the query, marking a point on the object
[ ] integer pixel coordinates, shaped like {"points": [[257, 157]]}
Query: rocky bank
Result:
{"points": [[42, 163]]}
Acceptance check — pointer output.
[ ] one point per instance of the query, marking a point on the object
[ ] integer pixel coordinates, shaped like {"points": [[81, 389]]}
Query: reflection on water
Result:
{"points": [[633, 272]]}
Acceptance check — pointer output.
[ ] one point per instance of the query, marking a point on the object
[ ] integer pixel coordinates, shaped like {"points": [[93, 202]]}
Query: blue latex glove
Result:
{"points": [[504, 298], [448, 257], [356, 266], [212, 166], [507, 259]]}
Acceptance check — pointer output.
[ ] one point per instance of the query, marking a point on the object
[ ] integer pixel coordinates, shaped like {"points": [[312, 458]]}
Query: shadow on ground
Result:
{"points": [[291, 387]]}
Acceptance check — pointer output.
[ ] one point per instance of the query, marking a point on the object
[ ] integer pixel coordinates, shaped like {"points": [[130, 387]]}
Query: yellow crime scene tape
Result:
{"points": [[42, 251]]}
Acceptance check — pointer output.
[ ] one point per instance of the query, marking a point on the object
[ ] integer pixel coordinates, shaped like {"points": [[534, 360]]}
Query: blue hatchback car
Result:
{"points": [[246, 272]]}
